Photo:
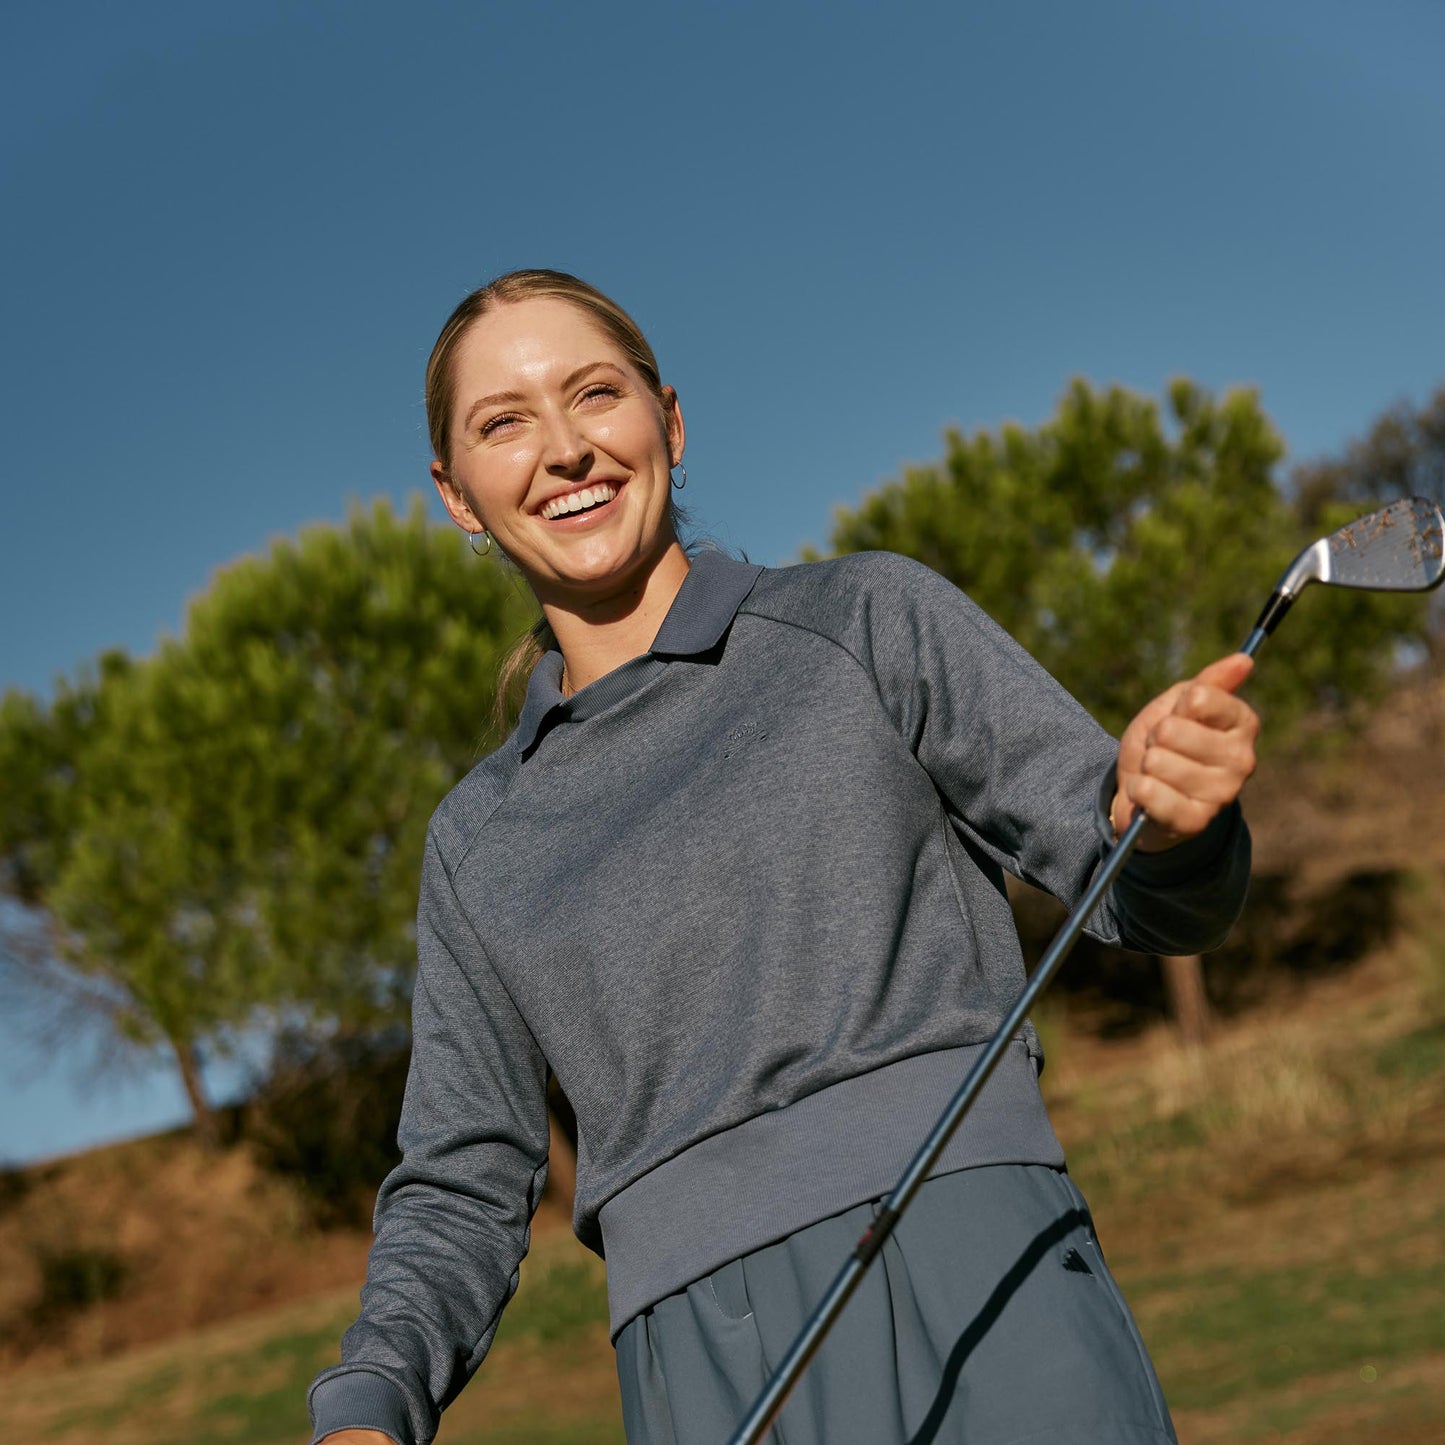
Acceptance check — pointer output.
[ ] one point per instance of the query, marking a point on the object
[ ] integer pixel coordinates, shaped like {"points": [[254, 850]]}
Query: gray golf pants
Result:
{"points": [[989, 1318]]}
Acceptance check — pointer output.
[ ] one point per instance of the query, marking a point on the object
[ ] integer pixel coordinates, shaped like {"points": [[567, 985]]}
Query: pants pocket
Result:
{"points": [[1093, 1255], [729, 1291]]}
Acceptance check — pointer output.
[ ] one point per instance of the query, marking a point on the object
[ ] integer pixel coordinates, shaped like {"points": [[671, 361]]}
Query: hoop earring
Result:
{"points": [[472, 542], [679, 485]]}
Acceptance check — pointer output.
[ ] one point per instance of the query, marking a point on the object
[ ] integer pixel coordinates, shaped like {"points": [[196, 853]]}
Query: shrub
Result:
{"points": [[73, 1278], [326, 1117], [15, 1184]]}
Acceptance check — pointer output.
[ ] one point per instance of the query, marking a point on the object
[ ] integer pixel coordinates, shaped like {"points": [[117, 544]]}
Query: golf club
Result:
{"points": [[1400, 548]]}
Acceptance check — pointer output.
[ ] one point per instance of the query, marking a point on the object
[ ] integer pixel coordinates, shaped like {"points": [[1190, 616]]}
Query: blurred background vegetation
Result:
{"points": [[221, 843], [223, 840]]}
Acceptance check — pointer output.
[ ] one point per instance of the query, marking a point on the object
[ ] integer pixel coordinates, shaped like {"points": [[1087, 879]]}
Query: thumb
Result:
{"points": [[1228, 673]]}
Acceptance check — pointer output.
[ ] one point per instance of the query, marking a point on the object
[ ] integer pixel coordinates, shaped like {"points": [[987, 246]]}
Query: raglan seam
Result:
{"points": [[470, 835], [850, 655], [894, 725]]}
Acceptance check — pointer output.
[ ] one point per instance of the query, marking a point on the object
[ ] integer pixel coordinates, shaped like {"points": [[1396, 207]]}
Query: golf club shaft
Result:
{"points": [[765, 1409], [1269, 619], [770, 1402]]}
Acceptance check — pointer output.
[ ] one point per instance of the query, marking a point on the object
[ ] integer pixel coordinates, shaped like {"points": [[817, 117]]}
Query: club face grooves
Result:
{"points": [[1400, 548]]}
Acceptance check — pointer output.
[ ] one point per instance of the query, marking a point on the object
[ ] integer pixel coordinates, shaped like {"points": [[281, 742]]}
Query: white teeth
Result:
{"points": [[578, 501]]}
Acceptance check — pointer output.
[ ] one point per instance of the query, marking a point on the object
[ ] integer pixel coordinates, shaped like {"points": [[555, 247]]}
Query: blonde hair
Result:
{"points": [[440, 392], [527, 286]]}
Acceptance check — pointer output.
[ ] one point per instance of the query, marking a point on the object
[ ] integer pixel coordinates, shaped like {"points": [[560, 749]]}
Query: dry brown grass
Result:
{"points": [[244, 1379], [1280, 1147], [38, 1400], [1369, 804], [1404, 1407], [202, 1237]]}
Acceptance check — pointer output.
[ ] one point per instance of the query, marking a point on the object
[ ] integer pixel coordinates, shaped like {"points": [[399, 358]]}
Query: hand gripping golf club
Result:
{"points": [[1400, 548]]}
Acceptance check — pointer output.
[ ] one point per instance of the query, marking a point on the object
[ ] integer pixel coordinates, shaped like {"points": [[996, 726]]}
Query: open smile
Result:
{"points": [[585, 500]]}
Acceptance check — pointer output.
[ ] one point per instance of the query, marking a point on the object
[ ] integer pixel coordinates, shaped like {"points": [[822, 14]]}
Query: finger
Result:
{"points": [[1220, 746], [1210, 684], [1215, 708], [1149, 716], [1202, 782], [1227, 673], [1171, 811]]}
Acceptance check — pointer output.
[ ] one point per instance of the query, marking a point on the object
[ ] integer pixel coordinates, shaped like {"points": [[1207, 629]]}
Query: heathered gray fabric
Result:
{"points": [[764, 859], [702, 1207], [988, 1318]]}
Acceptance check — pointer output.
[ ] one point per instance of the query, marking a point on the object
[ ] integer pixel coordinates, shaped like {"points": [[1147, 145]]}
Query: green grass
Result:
{"points": [[1414, 1056], [248, 1393], [1113, 1160], [563, 1301], [1287, 1273], [268, 1381], [215, 1391], [1231, 1334]]}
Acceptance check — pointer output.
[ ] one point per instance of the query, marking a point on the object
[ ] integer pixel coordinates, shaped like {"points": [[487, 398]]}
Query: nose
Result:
{"points": [[566, 452]]}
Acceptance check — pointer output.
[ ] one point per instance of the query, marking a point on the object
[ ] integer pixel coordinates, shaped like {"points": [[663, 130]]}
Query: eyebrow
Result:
{"points": [[571, 379]]}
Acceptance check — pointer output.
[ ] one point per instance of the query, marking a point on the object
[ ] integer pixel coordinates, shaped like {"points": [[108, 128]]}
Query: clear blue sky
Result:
{"points": [[231, 232]]}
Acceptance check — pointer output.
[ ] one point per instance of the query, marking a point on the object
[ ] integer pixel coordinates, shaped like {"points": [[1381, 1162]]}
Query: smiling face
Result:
{"points": [[561, 450]]}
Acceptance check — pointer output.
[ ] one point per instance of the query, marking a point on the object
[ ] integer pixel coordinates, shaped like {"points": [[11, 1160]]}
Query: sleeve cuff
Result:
{"points": [[360, 1400], [1184, 860]]}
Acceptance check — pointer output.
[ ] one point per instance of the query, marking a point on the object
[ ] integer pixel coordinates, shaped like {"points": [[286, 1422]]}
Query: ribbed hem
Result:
{"points": [[360, 1400], [777, 1173]]}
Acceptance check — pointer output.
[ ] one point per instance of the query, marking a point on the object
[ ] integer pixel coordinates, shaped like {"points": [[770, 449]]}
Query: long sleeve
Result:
{"points": [[1019, 764], [453, 1218]]}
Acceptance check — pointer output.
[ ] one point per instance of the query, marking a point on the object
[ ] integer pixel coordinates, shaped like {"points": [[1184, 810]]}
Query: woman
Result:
{"points": [[737, 877]]}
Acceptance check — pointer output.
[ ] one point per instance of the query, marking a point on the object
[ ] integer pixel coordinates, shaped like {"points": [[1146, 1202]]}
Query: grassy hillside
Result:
{"points": [[1275, 1207], [549, 1380], [1274, 1204]]}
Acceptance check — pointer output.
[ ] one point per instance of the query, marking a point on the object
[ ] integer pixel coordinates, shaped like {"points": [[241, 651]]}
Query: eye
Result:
{"points": [[493, 424], [599, 389]]}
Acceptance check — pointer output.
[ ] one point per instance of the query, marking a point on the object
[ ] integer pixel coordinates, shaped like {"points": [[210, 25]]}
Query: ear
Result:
{"points": [[458, 508], [676, 431]]}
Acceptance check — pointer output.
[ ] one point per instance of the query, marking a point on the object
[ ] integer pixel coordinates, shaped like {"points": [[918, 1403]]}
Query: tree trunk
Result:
{"points": [[1188, 1003], [207, 1131]]}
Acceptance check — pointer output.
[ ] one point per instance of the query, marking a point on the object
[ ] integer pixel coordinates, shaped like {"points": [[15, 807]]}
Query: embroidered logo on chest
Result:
{"points": [[741, 736]]}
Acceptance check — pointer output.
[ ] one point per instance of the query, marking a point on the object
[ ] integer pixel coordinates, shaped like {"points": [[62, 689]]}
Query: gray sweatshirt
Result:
{"points": [[745, 896]]}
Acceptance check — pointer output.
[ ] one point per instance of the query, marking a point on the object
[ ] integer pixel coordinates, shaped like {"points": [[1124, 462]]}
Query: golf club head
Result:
{"points": [[1400, 548]]}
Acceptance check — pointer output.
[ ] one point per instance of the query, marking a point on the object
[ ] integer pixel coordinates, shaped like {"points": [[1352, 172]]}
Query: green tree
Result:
{"points": [[1402, 455], [230, 832], [1126, 545]]}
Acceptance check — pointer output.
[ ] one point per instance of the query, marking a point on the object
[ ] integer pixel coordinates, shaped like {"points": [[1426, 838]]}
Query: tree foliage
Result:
{"points": [[1126, 544], [326, 1116], [1402, 455], [232, 830]]}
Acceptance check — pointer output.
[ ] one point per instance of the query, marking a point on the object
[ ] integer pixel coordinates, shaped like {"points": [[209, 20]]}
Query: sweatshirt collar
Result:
{"points": [[701, 613]]}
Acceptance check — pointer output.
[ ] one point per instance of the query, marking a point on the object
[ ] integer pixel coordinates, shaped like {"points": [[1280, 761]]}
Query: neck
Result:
{"points": [[598, 635]]}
